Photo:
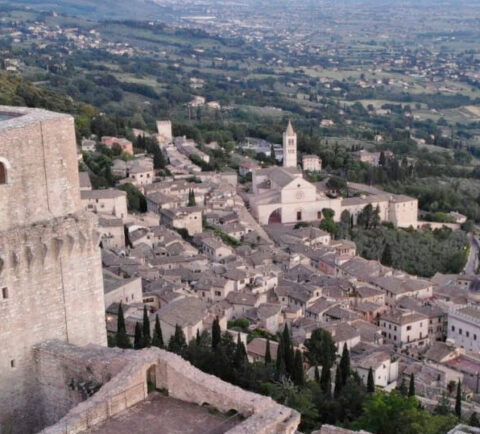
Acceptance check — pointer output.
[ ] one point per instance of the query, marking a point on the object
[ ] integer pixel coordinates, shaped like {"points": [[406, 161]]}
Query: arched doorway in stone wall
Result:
{"points": [[152, 378], [275, 216]]}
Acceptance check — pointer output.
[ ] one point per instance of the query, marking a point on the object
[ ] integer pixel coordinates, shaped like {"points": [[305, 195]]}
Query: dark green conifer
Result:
{"points": [[298, 375], [121, 338], [370, 382], [411, 386], [345, 365], [147, 340], [216, 333], [157, 340], [268, 356], [138, 342], [458, 400]]}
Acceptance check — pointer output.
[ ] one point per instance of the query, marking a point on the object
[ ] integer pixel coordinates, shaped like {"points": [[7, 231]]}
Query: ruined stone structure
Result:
{"points": [[50, 270], [67, 375]]}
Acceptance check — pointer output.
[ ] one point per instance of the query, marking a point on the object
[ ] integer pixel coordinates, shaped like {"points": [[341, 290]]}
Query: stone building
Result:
{"points": [[109, 202], [311, 163], [50, 268], [283, 195]]}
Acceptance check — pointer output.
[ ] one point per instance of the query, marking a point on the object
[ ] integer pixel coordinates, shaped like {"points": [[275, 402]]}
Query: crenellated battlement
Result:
{"points": [[29, 249]]}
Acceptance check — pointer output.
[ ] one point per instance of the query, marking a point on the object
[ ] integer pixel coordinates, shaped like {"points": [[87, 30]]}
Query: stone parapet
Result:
{"points": [[128, 386]]}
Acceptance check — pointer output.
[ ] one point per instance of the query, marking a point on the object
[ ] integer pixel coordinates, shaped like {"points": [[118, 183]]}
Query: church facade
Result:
{"points": [[283, 195]]}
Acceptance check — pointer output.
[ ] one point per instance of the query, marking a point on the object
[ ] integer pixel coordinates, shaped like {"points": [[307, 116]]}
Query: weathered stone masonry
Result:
{"points": [[50, 270]]}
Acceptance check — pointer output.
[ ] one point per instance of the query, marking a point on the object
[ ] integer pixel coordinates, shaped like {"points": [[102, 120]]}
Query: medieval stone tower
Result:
{"points": [[50, 269], [289, 147]]}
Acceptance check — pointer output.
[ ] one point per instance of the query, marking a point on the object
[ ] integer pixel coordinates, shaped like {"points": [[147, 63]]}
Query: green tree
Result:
{"points": [[216, 333], [321, 349], [177, 343], [326, 381], [147, 340], [268, 356], [121, 338], [387, 256], [157, 340], [316, 374], [298, 375], [338, 382], [386, 413], [370, 382], [138, 341], [240, 359], [474, 420], [191, 198], [458, 400], [344, 365], [135, 199], [402, 389], [411, 386]]}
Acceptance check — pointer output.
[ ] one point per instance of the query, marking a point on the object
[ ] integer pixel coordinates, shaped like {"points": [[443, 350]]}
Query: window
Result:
{"points": [[5, 293], [474, 337], [12, 363], [319, 215], [453, 328], [467, 333], [409, 327], [459, 331], [3, 173], [299, 215]]}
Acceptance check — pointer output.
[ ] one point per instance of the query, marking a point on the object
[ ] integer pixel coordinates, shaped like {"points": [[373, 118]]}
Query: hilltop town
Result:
{"points": [[239, 217], [253, 257]]}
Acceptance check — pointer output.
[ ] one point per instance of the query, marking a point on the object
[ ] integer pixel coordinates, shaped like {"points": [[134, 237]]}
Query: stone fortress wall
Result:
{"points": [[123, 375], [50, 268]]}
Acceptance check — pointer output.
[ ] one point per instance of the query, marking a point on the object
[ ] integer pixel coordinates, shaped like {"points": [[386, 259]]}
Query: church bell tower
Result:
{"points": [[290, 147]]}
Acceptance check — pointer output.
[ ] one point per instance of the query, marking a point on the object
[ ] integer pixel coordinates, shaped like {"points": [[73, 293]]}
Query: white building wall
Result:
{"points": [[464, 333]]}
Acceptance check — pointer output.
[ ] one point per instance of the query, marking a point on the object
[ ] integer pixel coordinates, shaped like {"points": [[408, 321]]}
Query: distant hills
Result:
{"points": [[96, 9]]}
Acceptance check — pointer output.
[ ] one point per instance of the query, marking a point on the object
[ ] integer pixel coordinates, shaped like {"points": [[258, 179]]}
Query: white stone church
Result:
{"points": [[282, 195]]}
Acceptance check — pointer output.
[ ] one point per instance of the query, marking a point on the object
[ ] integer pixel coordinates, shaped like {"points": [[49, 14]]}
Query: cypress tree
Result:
{"points": [[268, 357], [345, 365], [403, 388], [458, 400], [240, 357], [289, 355], [316, 374], [474, 420], [411, 387], [120, 319], [147, 339], [326, 381], [157, 340], [370, 382], [387, 256], [191, 198], [298, 376], [177, 343], [197, 338], [280, 362], [216, 333], [338, 382], [121, 338], [138, 342]]}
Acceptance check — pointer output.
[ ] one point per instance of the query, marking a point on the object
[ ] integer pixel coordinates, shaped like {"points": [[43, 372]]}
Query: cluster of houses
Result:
{"points": [[198, 254]]}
